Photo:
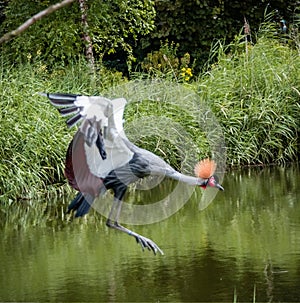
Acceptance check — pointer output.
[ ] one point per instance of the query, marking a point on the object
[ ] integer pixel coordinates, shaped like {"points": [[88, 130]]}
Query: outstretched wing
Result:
{"points": [[102, 128], [93, 111], [80, 107]]}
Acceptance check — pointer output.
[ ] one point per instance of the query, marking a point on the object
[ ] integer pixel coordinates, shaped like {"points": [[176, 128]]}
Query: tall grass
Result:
{"points": [[254, 91], [33, 136]]}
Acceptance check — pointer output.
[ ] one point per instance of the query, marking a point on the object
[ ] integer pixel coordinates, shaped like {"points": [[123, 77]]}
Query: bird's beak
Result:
{"points": [[213, 181], [219, 186]]}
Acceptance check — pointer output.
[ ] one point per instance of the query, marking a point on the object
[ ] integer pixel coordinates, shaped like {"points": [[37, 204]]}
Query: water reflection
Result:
{"points": [[247, 240]]}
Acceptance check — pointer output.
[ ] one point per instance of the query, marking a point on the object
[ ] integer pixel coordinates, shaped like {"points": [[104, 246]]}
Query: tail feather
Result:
{"points": [[75, 202], [80, 205], [83, 209]]}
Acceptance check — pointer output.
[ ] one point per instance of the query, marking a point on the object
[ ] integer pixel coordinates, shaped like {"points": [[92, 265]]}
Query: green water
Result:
{"points": [[245, 244]]}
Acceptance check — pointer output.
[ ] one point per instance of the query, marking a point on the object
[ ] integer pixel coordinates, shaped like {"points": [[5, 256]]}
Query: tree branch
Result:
{"points": [[33, 19], [86, 37]]}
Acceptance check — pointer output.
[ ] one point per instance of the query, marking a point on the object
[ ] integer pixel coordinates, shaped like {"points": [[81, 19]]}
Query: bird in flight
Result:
{"points": [[100, 157]]}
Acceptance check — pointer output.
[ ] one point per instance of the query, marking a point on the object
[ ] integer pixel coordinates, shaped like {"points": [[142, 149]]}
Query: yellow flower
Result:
{"points": [[189, 71]]}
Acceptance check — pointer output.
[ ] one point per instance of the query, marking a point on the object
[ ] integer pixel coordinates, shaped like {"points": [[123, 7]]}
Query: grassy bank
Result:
{"points": [[254, 92]]}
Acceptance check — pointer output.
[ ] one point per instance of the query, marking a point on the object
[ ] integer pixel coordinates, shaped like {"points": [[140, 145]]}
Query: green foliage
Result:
{"points": [[124, 32], [58, 37], [166, 63], [115, 24], [194, 24], [254, 91]]}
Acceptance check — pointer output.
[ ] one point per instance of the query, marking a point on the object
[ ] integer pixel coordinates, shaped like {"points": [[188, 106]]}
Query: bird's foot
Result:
{"points": [[147, 243], [143, 241]]}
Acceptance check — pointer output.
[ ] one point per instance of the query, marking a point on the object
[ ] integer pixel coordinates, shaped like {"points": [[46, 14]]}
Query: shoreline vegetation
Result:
{"points": [[252, 89]]}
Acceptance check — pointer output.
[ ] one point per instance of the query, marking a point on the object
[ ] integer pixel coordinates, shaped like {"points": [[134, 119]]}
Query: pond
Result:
{"points": [[245, 246]]}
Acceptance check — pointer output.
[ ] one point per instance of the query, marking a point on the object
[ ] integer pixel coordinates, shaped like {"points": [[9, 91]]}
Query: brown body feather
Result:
{"points": [[77, 171]]}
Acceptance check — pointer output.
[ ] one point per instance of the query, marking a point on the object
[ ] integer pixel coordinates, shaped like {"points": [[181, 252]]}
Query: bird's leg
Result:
{"points": [[143, 241], [117, 204]]}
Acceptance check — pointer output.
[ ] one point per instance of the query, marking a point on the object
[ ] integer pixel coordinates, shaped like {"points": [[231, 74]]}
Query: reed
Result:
{"points": [[254, 92]]}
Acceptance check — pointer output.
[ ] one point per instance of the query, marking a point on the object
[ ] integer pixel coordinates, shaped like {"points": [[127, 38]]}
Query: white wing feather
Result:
{"points": [[118, 153]]}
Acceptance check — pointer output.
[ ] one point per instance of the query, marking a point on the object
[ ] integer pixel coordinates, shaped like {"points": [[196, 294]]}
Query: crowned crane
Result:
{"points": [[100, 157]]}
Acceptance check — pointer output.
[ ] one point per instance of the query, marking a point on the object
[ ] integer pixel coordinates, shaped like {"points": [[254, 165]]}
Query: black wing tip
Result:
{"points": [[57, 95], [67, 111], [74, 120], [60, 97], [66, 106]]}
